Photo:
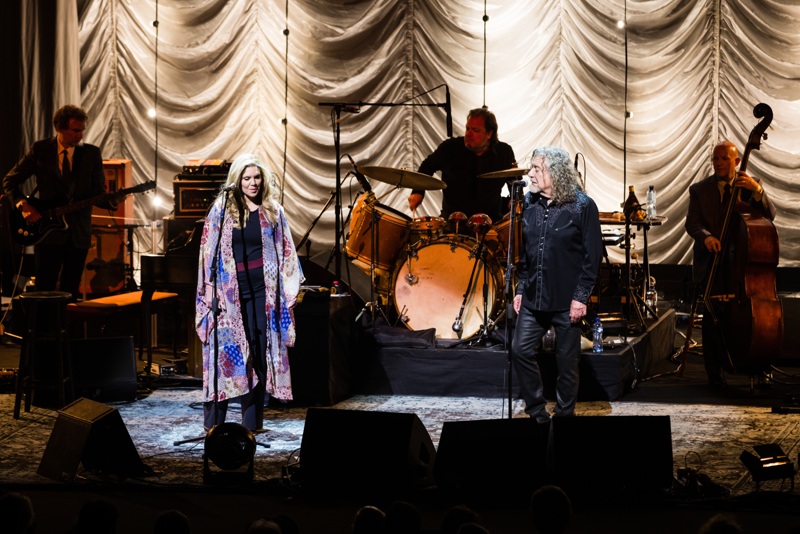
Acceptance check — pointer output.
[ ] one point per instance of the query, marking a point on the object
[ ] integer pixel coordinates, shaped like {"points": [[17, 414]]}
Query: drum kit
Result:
{"points": [[446, 274]]}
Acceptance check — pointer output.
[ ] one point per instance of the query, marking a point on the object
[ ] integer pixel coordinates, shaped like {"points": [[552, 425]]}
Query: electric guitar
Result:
{"points": [[53, 218]]}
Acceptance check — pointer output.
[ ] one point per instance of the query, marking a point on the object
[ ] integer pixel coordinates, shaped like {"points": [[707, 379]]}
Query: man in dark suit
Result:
{"points": [[708, 200], [66, 171]]}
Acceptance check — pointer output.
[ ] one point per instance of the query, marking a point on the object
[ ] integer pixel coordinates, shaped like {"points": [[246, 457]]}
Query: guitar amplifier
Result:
{"points": [[194, 196], [119, 175]]}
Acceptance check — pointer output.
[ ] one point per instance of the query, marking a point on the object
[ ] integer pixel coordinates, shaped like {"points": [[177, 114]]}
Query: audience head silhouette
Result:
{"points": [[172, 522], [369, 520], [551, 510], [17, 514]]}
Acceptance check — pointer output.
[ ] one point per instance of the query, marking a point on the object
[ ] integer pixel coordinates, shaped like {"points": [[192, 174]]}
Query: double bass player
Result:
{"points": [[708, 201]]}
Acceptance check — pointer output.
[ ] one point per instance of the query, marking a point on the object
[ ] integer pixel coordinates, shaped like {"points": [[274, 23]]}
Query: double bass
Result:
{"points": [[752, 331]]}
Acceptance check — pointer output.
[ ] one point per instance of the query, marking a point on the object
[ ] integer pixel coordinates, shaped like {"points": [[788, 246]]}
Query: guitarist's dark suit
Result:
{"points": [[87, 180]]}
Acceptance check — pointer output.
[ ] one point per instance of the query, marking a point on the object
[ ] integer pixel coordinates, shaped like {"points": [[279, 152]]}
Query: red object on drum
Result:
{"points": [[479, 223]]}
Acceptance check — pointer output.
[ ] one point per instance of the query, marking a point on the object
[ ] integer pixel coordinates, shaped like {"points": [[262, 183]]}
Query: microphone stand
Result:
{"points": [[516, 209], [336, 114], [315, 221], [215, 302], [215, 315]]}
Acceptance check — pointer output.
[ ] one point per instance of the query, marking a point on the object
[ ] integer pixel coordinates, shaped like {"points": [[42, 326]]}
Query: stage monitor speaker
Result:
{"points": [[93, 434], [612, 455], [104, 368], [363, 452], [498, 459]]}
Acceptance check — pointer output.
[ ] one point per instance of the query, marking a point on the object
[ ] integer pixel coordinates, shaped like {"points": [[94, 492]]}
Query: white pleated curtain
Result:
{"points": [[249, 75]]}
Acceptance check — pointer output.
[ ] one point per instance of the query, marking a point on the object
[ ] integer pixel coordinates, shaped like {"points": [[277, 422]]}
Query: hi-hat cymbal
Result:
{"points": [[507, 173], [403, 178]]}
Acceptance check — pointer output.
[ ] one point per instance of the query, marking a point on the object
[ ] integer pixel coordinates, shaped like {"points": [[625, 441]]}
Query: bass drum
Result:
{"points": [[430, 282]]}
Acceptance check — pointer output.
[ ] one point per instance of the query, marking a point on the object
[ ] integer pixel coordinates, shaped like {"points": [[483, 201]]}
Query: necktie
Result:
{"points": [[66, 172], [726, 195]]}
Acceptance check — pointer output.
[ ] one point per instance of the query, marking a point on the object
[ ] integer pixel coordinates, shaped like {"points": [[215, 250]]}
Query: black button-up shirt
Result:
{"points": [[562, 247], [460, 168]]}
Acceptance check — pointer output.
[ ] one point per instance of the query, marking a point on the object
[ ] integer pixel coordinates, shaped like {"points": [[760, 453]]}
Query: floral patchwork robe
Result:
{"points": [[283, 276]]}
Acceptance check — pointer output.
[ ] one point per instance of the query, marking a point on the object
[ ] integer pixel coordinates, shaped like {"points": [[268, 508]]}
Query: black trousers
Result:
{"points": [[60, 267], [526, 346], [255, 323]]}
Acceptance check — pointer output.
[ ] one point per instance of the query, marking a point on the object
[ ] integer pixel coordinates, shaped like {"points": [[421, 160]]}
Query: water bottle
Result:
{"points": [[597, 335], [651, 202]]}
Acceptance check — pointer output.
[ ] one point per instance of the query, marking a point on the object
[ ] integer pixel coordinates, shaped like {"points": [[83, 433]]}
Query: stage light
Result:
{"points": [[620, 24], [770, 464], [231, 448], [157, 202], [151, 113]]}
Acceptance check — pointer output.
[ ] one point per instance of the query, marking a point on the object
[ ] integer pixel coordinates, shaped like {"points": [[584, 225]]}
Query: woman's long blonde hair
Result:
{"points": [[268, 191]]}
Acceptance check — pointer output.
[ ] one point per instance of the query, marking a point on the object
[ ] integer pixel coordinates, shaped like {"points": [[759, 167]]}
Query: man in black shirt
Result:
{"points": [[461, 160], [559, 261]]}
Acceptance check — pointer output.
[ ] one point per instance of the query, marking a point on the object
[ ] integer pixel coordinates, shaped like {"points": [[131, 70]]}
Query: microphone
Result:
{"points": [[525, 181], [351, 109], [580, 177], [229, 188], [360, 177], [448, 110]]}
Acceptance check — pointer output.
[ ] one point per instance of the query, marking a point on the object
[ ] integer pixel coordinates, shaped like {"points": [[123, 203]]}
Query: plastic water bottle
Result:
{"points": [[597, 335], [651, 202]]}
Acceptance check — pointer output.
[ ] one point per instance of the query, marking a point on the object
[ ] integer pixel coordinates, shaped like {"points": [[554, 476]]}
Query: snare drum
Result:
{"points": [[390, 229], [426, 228], [430, 283]]}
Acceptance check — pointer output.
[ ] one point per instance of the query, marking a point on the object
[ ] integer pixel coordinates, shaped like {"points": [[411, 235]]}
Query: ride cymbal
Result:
{"points": [[403, 178], [507, 173]]}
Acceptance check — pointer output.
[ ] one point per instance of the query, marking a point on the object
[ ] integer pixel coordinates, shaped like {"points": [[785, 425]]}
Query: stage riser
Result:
{"points": [[483, 372]]}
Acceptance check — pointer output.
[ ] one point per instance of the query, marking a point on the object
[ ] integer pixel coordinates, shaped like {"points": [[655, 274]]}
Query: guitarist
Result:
{"points": [[66, 171], [704, 221]]}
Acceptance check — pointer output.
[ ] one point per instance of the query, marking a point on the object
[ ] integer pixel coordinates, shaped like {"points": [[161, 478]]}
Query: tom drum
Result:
{"points": [[390, 229]]}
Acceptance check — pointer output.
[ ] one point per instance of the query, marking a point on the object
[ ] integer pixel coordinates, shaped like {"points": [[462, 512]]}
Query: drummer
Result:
{"points": [[461, 160]]}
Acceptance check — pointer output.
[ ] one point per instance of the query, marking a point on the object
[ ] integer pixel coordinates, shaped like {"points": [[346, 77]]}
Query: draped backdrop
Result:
{"points": [[227, 77]]}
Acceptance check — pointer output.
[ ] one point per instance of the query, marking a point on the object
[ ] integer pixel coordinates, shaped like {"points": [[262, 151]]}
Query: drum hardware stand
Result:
{"points": [[631, 295], [458, 325], [374, 304]]}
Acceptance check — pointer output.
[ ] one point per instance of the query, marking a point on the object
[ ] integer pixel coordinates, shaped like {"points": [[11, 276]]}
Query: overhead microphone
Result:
{"points": [[360, 177], [580, 176], [448, 110]]}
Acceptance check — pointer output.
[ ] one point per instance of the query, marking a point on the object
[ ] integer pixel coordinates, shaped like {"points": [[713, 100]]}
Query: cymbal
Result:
{"points": [[507, 173], [403, 178]]}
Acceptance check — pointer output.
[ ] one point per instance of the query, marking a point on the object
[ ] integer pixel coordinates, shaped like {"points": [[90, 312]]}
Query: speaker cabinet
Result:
{"points": [[612, 455], [491, 459], [365, 452], [322, 361], [104, 369], [93, 434]]}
